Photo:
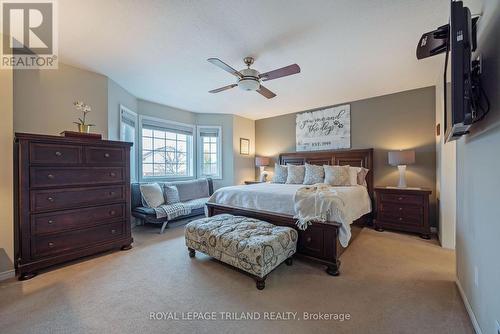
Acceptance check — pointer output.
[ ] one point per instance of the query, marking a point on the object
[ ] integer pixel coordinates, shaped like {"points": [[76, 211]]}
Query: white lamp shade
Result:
{"points": [[398, 158]]}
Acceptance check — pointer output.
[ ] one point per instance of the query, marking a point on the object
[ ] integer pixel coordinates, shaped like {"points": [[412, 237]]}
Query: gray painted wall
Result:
{"points": [[43, 99], [6, 174], [478, 184], [162, 111], [117, 96], [244, 165], [403, 120]]}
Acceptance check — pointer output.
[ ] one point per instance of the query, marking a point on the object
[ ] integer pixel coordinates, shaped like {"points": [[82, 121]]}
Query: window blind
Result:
{"points": [[128, 121], [167, 127], [209, 132]]}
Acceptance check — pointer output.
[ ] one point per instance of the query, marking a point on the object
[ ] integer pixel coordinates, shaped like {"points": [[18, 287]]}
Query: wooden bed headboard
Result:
{"points": [[355, 158]]}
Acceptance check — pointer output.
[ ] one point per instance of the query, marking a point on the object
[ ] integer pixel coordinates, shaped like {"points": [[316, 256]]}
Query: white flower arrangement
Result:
{"points": [[85, 109]]}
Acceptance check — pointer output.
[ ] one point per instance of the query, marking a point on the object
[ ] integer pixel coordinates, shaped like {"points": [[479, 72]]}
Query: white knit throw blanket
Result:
{"points": [[321, 203]]}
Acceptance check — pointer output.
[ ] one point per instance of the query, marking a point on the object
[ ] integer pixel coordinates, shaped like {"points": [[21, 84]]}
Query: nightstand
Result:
{"points": [[253, 182], [404, 209]]}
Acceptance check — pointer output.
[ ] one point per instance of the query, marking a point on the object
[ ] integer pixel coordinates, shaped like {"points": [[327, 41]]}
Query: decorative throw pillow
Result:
{"points": [[280, 174], [353, 175], [314, 174], [362, 176], [337, 175], [295, 174], [152, 195], [171, 194]]}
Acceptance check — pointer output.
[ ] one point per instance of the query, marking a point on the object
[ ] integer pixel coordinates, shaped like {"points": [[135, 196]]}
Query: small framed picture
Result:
{"points": [[244, 146]]}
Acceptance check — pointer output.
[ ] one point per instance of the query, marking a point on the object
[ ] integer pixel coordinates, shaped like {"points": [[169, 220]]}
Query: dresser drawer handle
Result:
{"points": [[51, 176], [400, 219], [308, 240], [106, 155], [113, 231], [50, 199], [112, 174], [112, 212], [400, 198], [111, 193], [58, 154], [50, 222], [51, 244], [400, 209]]}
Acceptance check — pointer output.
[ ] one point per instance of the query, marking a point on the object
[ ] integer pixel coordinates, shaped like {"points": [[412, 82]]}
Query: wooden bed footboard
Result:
{"points": [[319, 242]]}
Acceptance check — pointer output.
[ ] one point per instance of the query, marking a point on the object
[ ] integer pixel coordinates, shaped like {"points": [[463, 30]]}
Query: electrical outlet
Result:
{"points": [[476, 276]]}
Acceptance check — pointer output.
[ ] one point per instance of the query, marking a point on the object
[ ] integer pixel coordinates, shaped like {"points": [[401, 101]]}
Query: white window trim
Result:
{"points": [[124, 111], [200, 151], [166, 123]]}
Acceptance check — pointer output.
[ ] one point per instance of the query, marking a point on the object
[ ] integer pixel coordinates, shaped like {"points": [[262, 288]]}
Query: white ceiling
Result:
{"points": [[347, 50]]}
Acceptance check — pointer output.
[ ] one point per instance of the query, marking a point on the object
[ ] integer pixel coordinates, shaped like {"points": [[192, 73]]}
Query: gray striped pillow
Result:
{"points": [[171, 194]]}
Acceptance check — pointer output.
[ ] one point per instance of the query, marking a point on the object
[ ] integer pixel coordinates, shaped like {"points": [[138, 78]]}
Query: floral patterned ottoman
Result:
{"points": [[252, 245]]}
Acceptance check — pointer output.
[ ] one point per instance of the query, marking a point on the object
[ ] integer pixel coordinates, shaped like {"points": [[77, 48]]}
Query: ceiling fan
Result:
{"points": [[250, 79]]}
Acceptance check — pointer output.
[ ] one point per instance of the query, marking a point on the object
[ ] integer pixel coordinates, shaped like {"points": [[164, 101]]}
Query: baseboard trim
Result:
{"points": [[7, 274], [472, 316]]}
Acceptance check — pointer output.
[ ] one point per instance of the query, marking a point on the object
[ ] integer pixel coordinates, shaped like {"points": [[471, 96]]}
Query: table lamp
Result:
{"points": [[262, 162], [401, 159]]}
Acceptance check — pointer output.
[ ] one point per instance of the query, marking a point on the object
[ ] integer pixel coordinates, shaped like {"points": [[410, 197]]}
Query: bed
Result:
{"points": [[320, 241]]}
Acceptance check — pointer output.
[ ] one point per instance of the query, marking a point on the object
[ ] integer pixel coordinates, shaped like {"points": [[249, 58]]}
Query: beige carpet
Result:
{"points": [[389, 283]]}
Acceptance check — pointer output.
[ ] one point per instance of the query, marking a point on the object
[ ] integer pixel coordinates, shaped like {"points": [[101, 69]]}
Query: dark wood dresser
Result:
{"points": [[405, 209], [72, 199]]}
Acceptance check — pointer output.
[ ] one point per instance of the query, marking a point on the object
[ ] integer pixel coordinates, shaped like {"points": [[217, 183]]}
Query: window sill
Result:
{"points": [[167, 179], [213, 177]]}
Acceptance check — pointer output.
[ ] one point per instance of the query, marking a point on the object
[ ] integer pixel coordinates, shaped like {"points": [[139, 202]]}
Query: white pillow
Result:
{"points": [[152, 195], [314, 174], [280, 173], [337, 175], [353, 175], [295, 174]]}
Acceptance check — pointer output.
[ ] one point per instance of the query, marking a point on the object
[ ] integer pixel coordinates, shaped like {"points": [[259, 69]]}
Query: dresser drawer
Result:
{"points": [[400, 198], [68, 241], [104, 155], [311, 241], [73, 219], [401, 209], [57, 199], [55, 154], [402, 220], [49, 176]]}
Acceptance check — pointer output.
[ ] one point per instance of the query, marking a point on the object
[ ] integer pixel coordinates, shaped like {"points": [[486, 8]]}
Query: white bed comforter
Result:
{"points": [[279, 198]]}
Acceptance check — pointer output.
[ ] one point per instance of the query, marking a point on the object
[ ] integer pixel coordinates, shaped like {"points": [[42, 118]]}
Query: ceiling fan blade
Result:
{"points": [[219, 63], [265, 92], [280, 72], [223, 88]]}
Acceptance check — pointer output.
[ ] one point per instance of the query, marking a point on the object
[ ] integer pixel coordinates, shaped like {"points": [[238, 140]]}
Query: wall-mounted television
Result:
{"points": [[464, 98], [458, 72]]}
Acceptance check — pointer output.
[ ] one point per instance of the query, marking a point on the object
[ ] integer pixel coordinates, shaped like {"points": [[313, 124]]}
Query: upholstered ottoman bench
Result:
{"points": [[251, 245]]}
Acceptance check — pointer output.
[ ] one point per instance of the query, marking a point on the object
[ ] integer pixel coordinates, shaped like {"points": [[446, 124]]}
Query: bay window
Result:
{"points": [[167, 149], [210, 151]]}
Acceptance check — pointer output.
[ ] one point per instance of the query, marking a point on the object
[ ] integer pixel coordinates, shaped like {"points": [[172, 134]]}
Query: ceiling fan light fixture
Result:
{"points": [[248, 84]]}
